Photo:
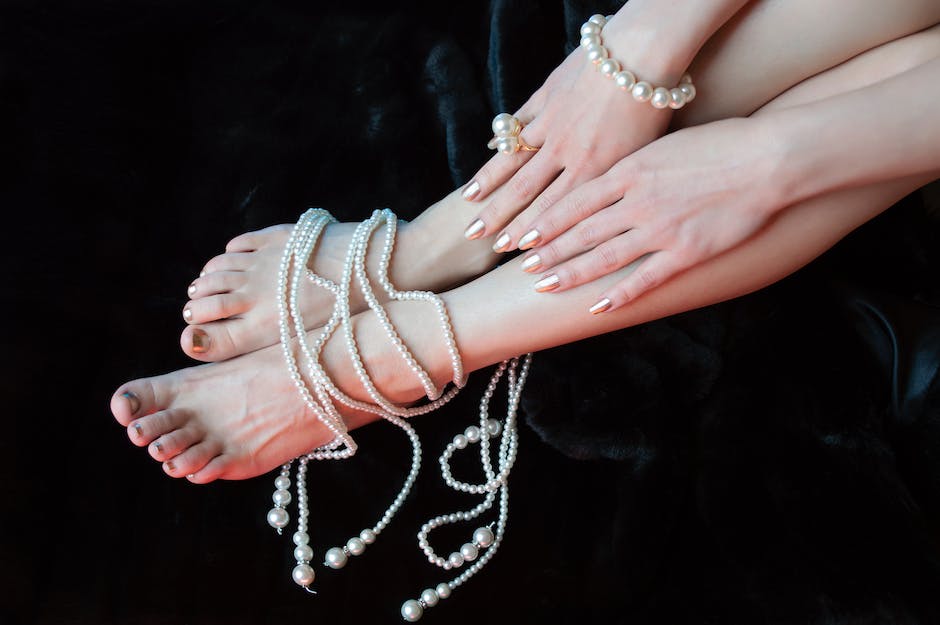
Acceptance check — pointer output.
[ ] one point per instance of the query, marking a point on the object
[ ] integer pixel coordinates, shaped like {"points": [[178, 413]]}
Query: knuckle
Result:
{"points": [[520, 185], [647, 278], [586, 235], [608, 257]]}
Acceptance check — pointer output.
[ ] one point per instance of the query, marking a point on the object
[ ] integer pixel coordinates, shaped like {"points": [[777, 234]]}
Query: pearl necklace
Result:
{"points": [[320, 395]]}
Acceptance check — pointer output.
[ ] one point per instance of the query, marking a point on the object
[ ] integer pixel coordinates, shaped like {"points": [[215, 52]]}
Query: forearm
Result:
{"points": [[860, 137]]}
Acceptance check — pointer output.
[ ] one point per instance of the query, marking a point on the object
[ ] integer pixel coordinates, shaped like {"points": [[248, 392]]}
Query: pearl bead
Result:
{"points": [[596, 54], [356, 546], [303, 574], [282, 482], [590, 40], [460, 441], [469, 552], [609, 67], [443, 590], [483, 536], [493, 427], [506, 145], [335, 558], [642, 91], [455, 559], [676, 98], [660, 98], [301, 538], [472, 433], [278, 518], [688, 89], [598, 19], [281, 497], [625, 80], [303, 553], [686, 78], [429, 596], [367, 536], [590, 28], [411, 611], [505, 125]]}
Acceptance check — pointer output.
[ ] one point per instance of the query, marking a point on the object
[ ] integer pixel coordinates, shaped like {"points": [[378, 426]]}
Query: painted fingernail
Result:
{"points": [[502, 243], [532, 263], [134, 401], [158, 446], [599, 307], [471, 190], [187, 314], [474, 230], [548, 283], [530, 239], [138, 430], [192, 289], [169, 466], [201, 341]]}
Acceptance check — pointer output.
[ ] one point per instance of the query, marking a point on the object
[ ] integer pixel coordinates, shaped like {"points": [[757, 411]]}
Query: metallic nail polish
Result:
{"points": [[202, 273], [502, 243], [474, 230], [158, 446], [201, 342], [471, 190], [530, 239], [548, 283], [139, 431], [599, 307], [192, 289], [170, 466], [532, 263], [133, 400], [187, 314]]}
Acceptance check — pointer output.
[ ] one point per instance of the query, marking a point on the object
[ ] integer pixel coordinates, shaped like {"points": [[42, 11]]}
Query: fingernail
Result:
{"points": [[474, 230], [158, 446], [532, 263], [530, 239], [471, 190], [201, 341], [502, 243], [192, 289], [548, 283], [169, 466], [187, 314], [134, 402], [599, 307], [139, 431]]}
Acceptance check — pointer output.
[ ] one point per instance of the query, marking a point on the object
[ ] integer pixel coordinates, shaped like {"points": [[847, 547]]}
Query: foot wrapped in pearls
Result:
{"points": [[642, 91]]}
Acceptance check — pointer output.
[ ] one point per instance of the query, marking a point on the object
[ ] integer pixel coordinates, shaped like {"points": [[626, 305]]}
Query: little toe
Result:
{"points": [[215, 307], [145, 430], [212, 342], [174, 443], [217, 467], [216, 283], [235, 261], [192, 460]]}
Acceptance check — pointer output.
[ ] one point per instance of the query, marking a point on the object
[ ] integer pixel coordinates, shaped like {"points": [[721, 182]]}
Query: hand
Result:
{"points": [[680, 201], [583, 124]]}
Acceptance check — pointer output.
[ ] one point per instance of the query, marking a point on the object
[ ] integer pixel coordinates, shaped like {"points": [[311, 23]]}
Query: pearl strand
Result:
{"points": [[642, 91]]}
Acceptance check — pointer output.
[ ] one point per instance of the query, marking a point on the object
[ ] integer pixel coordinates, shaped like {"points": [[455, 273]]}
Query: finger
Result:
{"points": [[558, 189], [583, 236], [649, 274], [512, 197], [575, 209], [607, 257]]}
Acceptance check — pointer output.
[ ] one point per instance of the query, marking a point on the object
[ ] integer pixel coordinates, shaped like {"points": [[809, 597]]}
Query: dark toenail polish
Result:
{"points": [[139, 431], [201, 342], [158, 447], [169, 466], [133, 400]]}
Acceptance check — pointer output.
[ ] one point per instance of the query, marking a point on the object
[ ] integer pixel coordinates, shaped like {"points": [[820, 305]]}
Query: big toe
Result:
{"points": [[138, 399]]}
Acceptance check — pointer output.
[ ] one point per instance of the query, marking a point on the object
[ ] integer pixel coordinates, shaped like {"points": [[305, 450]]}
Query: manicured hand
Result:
{"points": [[678, 202]]}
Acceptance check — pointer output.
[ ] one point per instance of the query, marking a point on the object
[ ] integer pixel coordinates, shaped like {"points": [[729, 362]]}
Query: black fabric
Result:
{"points": [[768, 460]]}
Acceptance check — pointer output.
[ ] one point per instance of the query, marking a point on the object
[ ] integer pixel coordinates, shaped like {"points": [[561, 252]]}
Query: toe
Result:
{"points": [[139, 398], [214, 307], [214, 342], [236, 261], [250, 241], [217, 467], [216, 283], [174, 443], [145, 430], [192, 460]]}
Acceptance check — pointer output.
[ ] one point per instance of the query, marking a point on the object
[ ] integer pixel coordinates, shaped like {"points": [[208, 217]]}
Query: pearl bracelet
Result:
{"points": [[642, 91]]}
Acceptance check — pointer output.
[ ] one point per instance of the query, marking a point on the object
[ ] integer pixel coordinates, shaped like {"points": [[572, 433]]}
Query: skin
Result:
{"points": [[242, 417]]}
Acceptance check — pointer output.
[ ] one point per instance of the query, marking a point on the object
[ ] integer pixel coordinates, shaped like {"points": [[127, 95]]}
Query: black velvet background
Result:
{"points": [[769, 460]]}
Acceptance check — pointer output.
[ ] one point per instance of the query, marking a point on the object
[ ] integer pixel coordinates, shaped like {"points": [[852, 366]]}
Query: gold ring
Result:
{"points": [[507, 139]]}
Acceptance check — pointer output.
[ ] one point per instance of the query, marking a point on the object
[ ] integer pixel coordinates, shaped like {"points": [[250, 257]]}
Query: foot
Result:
{"points": [[233, 305], [243, 417]]}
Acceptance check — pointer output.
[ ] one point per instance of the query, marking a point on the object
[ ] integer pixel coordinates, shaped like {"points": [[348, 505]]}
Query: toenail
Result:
{"points": [[201, 342], [139, 431], [202, 273], [169, 466], [158, 446], [191, 476], [187, 314], [132, 400], [192, 289]]}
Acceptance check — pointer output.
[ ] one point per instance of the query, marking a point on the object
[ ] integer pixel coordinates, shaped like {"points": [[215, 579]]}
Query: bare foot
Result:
{"points": [[233, 306], [243, 417]]}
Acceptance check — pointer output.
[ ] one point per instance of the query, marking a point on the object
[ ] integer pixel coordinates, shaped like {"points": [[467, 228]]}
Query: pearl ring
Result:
{"points": [[506, 135]]}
